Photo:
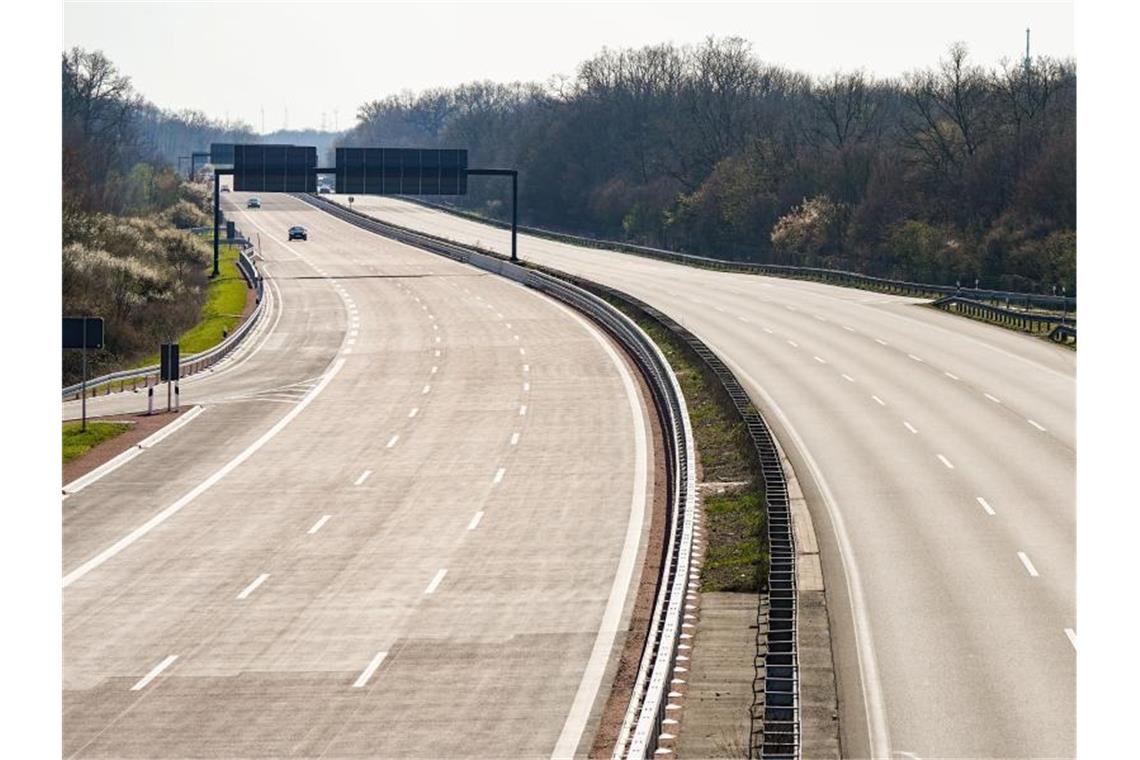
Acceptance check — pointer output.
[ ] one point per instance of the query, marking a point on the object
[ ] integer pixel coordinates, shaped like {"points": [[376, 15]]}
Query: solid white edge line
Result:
{"points": [[915, 358], [1029, 568], [986, 506], [363, 477], [121, 459], [992, 398], [438, 579], [950, 375], [475, 521], [202, 487], [245, 592], [368, 671], [869, 681], [587, 693], [142, 682], [319, 524], [1037, 425]]}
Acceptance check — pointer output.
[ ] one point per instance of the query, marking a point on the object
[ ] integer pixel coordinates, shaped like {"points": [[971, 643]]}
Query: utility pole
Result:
{"points": [[1026, 50]]}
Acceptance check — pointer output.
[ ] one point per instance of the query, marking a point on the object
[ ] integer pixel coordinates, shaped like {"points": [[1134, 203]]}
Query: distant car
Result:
{"points": [[298, 233], [324, 189], [225, 188], [253, 203]]}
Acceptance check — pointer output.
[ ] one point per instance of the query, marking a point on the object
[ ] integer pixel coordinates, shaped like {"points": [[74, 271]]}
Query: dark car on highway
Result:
{"points": [[253, 203], [298, 233]]}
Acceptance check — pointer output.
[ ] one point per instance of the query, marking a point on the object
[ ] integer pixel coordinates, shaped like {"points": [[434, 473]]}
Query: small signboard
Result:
{"points": [[82, 332], [168, 363]]}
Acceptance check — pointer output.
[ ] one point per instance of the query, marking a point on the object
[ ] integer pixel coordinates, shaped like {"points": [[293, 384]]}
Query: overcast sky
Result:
{"points": [[321, 61]]}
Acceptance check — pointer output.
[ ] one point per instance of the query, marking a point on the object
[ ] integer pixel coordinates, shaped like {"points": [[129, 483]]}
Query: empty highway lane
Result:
{"points": [[938, 458], [414, 500]]}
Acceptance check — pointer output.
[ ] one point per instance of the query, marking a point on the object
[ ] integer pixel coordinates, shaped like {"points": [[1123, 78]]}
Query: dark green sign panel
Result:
{"points": [[275, 168], [401, 171]]}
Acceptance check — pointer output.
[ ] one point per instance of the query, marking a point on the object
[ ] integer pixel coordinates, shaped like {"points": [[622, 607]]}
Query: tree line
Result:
{"points": [[951, 172], [128, 255]]}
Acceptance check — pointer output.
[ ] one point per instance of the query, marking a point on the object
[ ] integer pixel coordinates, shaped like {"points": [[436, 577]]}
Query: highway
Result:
{"points": [[406, 522], [938, 458]]}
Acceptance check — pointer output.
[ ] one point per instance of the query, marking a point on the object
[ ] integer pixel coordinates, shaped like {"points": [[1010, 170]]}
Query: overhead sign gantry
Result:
{"points": [[277, 168]]}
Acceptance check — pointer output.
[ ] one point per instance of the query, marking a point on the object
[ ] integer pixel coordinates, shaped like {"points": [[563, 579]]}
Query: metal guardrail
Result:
{"points": [[195, 362], [832, 276], [1060, 328], [644, 717], [775, 713]]}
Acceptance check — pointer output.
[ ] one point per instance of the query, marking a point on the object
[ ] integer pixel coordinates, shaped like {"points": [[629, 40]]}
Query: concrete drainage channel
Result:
{"points": [[644, 726]]}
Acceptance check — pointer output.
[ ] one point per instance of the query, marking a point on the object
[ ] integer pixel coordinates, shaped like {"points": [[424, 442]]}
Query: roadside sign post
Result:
{"points": [[168, 369], [83, 333], [514, 175]]}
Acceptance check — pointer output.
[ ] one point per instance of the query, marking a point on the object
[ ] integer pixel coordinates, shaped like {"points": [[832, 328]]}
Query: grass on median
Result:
{"points": [[76, 442], [737, 555]]}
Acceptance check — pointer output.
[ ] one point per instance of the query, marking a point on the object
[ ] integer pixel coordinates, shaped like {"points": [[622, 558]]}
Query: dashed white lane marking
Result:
{"points": [[721, 309], [1036, 425], [434, 326], [526, 387], [848, 328], [848, 378], [475, 521], [793, 344], [522, 410], [437, 339], [789, 307], [427, 389], [508, 325], [434, 370], [368, 671], [437, 352], [819, 359], [499, 473], [915, 358], [353, 333], [526, 368], [350, 341], [516, 337], [319, 524], [743, 319], [945, 461], [514, 439], [950, 375], [392, 441], [347, 351], [879, 401], [881, 342], [910, 427], [994, 399], [142, 682], [414, 412], [363, 477], [174, 508], [986, 506], [1072, 636], [435, 581], [1029, 568], [245, 592], [820, 317], [522, 352], [769, 330]]}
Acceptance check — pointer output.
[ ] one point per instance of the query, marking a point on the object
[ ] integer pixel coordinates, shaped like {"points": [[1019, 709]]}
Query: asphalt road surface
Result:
{"points": [[938, 457], [405, 523]]}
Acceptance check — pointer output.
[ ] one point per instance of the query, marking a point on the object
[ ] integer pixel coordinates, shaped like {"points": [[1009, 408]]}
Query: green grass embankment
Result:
{"points": [[77, 442]]}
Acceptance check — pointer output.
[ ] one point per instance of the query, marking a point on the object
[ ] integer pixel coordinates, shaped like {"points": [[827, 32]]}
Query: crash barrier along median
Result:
{"points": [[643, 721]]}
